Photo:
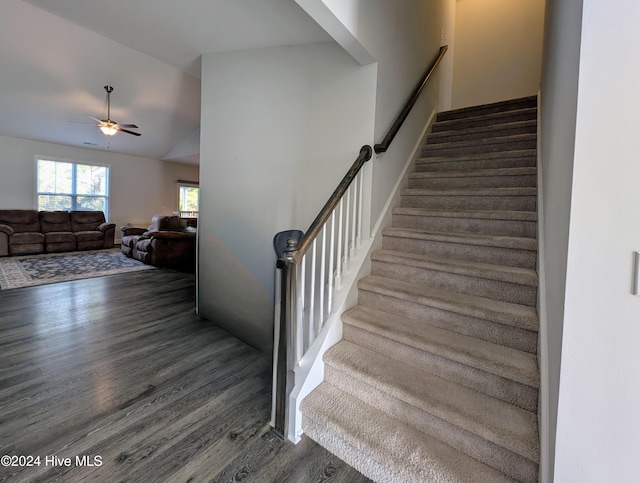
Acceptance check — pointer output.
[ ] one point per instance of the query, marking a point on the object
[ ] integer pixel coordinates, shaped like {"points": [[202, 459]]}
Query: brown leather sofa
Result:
{"points": [[25, 232], [168, 242]]}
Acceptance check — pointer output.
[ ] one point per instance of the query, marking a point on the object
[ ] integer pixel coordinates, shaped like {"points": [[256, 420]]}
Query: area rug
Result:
{"points": [[30, 270]]}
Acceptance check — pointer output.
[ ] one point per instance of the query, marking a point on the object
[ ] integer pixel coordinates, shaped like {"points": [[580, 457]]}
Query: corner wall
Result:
{"points": [[558, 101], [280, 128], [598, 419]]}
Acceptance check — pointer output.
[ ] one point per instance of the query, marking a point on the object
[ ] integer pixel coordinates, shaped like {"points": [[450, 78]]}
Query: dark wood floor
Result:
{"points": [[121, 371]]}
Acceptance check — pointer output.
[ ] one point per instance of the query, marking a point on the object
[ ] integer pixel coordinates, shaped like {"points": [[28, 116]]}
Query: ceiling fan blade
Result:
{"points": [[108, 126], [81, 122], [127, 131]]}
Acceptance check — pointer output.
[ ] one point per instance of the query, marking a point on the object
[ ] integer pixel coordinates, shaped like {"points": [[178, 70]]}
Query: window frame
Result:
{"points": [[187, 184], [74, 194]]}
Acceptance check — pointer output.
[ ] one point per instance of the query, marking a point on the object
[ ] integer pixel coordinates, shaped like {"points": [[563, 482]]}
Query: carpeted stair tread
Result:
{"points": [[515, 153], [395, 452], [472, 173], [494, 107], [486, 119], [336, 438], [491, 144], [512, 154], [500, 423], [474, 178], [521, 276], [518, 223], [471, 198], [516, 315], [492, 130], [363, 327], [496, 359], [514, 215], [519, 243], [515, 251], [516, 191], [485, 278]]}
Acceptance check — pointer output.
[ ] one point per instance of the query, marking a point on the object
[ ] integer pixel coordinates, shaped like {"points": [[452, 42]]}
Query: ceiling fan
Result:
{"points": [[108, 126]]}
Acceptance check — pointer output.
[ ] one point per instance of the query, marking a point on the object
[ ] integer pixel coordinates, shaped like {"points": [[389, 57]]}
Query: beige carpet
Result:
{"points": [[436, 378]]}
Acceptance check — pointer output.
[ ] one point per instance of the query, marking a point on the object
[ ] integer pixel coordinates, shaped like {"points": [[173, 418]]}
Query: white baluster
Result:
{"points": [[330, 277], [299, 321], [360, 179], [312, 297], [345, 256], [354, 223], [338, 277], [323, 261]]}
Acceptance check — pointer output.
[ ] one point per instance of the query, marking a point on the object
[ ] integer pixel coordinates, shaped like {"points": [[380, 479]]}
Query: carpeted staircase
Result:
{"points": [[436, 378]]}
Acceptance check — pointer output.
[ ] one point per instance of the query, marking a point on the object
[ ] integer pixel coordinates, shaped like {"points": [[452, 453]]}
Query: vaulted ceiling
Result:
{"points": [[56, 56]]}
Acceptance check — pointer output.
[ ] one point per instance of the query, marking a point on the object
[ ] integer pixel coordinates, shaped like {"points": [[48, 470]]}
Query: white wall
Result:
{"points": [[280, 127], [598, 431], [403, 38], [447, 37], [139, 187], [558, 99], [498, 50]]}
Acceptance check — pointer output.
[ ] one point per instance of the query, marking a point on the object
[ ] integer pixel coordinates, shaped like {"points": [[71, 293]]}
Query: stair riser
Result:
{"points": [[507, 390], [430, 165], [430, 151], [489, 109], [521, 339], [525, 229], [450, 137], [498, 159], [456, 202], [510, 257], [472, 444], [358, 442], [482, 287], [480, 121], [520, 181]]}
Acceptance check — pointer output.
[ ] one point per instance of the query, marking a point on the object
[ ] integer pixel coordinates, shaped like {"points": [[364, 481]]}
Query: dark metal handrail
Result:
{"points": [[317, 224], [384, 145]]}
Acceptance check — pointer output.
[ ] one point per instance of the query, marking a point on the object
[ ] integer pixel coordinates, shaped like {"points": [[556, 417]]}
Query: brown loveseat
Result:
{"points": [[168, 242], [29, 231]]}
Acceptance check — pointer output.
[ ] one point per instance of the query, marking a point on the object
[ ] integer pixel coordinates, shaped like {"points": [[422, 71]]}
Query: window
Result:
{"points": [[66, 186], [188, 200]]}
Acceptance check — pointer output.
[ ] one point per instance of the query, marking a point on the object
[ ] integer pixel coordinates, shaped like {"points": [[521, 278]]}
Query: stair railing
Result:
{"points": [[404, 113], [310, 272], [312, 268]]}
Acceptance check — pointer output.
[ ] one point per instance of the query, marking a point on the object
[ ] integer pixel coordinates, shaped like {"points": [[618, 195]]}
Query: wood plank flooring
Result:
{"points": [[119, 370]]}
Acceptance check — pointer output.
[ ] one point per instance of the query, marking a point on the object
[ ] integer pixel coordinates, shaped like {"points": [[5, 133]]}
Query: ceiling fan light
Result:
{"points": [[108, 130]]}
